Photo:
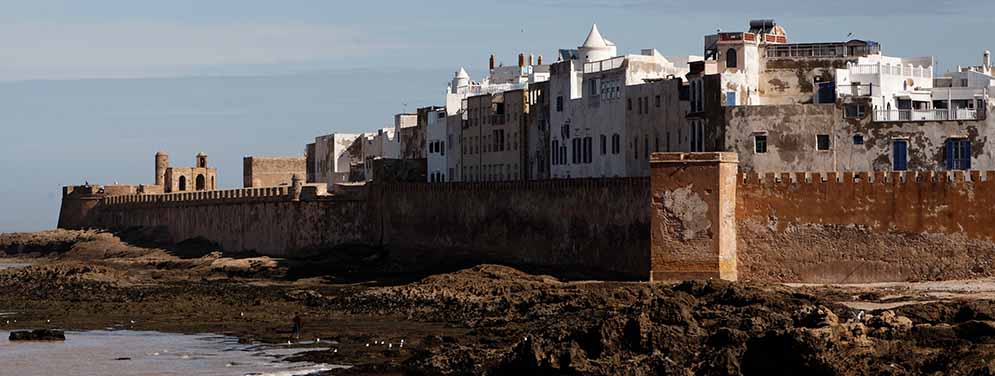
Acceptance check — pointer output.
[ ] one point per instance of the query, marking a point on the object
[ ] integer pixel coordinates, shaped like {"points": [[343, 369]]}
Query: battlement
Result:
{"points": [[873, 177], [229, 195]]}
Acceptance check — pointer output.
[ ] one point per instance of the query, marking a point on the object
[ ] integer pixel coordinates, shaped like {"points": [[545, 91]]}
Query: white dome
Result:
{"points": [[596, 47], [594, 39]]}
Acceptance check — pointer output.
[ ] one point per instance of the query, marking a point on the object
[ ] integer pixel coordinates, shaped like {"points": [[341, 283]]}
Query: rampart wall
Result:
{"points": [[851, 228], [598, 227], [789, 227]]}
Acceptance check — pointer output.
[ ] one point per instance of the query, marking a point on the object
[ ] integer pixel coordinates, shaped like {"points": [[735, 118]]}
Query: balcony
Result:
{"points": [[928, 115]]}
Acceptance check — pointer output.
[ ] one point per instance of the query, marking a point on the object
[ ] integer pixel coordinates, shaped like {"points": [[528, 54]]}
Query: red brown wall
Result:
{"points": [[865, 228]]}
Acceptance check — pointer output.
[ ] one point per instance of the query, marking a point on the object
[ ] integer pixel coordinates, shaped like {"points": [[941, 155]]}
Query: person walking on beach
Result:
{"points": [[298, 326]]}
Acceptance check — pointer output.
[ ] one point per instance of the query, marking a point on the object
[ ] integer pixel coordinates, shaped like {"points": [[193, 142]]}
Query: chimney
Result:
{"points": [[532, 59], [988, 59], [521, 60], [492, 62], [540, 59]]}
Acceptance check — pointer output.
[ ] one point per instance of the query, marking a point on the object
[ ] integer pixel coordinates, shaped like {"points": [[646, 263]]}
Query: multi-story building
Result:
{"points": [[537, 132], [437, 138], [590, 106], [494, 137]]}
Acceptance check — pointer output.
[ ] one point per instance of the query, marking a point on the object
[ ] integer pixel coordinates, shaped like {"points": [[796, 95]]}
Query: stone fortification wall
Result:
{"points": [[595, 227], [254, 220], [788, 227], [851, 228]]}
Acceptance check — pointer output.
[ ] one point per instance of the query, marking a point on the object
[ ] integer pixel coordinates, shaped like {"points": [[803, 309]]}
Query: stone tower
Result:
{"points": [[161, 164], [201, 160]]}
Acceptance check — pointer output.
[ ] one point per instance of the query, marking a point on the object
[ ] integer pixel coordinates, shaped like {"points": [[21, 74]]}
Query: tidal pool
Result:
{"points": [[123, 352]]}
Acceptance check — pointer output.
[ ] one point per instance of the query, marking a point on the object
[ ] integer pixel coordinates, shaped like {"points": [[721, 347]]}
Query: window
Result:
{"points": [[760, 143], [628, 104], [658, 101], [635, 147], [442, 147], [900, 155], [559, 104], [958, 154], [593, 87], [646, 146], [822, 142], [616, 147], [731, 58], [858, 139], [853, 111], [556, 148], [604, 145], [587, 157], [963, 82], [697, 134], [575, 143]]}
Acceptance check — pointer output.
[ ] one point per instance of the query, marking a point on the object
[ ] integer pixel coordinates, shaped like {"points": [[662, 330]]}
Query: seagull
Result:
{"points": [[335, 351], [288, 342], [242, 314], [390, 346], [132, 321], [48, 321], [316, 340], [367, 345]]}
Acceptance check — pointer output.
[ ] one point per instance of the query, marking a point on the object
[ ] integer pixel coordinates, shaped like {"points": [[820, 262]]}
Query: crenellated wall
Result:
{"points": [[799, 227], [850, 228]]}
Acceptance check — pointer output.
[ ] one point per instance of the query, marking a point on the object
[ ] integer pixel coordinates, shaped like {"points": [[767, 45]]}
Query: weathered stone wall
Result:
{"points": [[790, 228], [792, 130], [259, 220], [272, 171], [863, 228], [693, 224], [593, 227]]}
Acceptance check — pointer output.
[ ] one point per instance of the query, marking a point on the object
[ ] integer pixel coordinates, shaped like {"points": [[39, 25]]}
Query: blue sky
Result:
{"points": [[89, 90]]}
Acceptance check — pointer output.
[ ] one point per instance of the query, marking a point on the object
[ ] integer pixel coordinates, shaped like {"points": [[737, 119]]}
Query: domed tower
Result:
{"points": [[460, 80], [201, 160], [596, 47], [161, 164]]}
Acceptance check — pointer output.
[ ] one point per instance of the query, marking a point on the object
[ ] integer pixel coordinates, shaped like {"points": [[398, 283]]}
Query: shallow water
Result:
{"points": [[13, 265], [148, 353]]}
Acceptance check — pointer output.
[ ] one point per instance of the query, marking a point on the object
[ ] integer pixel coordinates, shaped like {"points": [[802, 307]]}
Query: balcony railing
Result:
{"points": [[928, 115]]}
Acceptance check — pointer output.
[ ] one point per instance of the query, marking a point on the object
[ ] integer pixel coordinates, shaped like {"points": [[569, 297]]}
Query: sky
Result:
{"points": [[90, 90]]}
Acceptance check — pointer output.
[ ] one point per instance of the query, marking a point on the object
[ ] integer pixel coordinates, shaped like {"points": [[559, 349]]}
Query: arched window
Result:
{"points": [[731, 58], [201, 183], [183, 183]]}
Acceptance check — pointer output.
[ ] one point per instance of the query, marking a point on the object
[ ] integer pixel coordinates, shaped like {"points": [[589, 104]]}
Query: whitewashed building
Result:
{"points": [[589, 108], [331, 159], [438, 144], [963, 94]]}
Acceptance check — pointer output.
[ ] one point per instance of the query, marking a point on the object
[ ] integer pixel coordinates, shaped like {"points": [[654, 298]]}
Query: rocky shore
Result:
{"points": [[490, 319]]}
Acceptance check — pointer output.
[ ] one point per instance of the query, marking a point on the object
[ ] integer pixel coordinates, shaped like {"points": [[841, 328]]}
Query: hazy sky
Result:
{"points": [[89, 90]]}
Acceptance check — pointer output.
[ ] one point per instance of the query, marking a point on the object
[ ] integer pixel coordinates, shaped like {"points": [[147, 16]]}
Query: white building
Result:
{"points": [[331, 161], [382, 144], [499, 79], [898, 88], [589, 106], [438, 143], [960, 94]]}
